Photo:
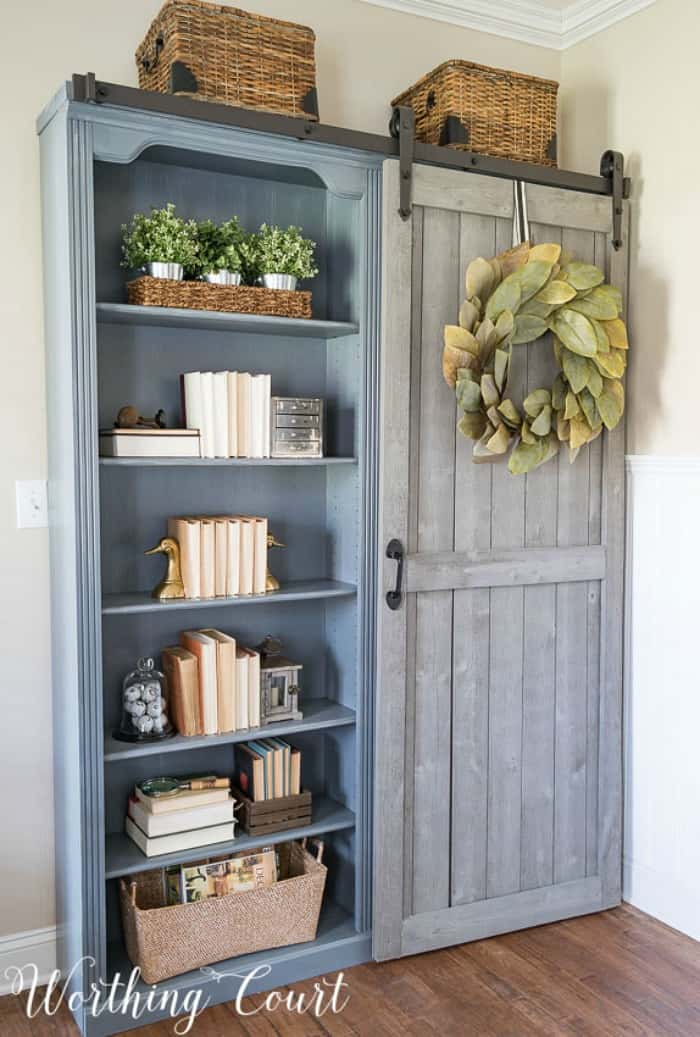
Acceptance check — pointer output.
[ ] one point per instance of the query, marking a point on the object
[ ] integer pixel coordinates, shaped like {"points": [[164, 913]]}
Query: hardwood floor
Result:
{"points": [[615, 974]]}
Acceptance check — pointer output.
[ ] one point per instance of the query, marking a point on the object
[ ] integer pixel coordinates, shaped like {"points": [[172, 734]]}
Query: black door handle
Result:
{"points": [[394, 550]]}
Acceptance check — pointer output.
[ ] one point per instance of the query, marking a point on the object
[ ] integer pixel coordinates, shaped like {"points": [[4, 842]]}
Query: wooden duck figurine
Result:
{"points": [[271, 582], [171, 586]]}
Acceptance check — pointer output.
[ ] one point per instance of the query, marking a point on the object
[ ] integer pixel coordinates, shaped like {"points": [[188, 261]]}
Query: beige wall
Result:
{"points": [[365, 56], [635, 88]]}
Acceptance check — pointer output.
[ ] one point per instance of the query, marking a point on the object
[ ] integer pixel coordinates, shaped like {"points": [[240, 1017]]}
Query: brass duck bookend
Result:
{"points": [[171, 586], [271, 582]]}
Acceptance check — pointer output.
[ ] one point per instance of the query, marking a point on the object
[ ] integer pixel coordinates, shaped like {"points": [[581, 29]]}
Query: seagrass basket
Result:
{"points": [[167, 941], [200, 295], [223, 54], [486, 110]]}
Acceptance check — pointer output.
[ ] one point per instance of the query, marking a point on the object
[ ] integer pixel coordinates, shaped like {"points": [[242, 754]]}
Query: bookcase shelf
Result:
{"points": [[123, 857], [165, 317], [223, 462], [299, 590], [319, 715]]}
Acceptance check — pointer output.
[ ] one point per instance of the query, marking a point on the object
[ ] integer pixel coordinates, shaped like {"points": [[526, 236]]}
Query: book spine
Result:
{"points": [[233, 557], [232, 379], [207, 558], [220, 557], [267, 416], [220, 397], [207, 380]]}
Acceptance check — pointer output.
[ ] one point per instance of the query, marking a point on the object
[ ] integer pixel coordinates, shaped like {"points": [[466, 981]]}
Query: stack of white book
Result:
{"points": [[232, 411], [221, 556], [182, 822], [214, 681]]}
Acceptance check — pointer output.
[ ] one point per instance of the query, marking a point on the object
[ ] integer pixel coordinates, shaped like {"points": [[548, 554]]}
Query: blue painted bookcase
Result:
{"points": [[101, 163]]}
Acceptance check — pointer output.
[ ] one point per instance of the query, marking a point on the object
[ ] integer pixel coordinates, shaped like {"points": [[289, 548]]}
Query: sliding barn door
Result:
{"points": [[498, 751]]}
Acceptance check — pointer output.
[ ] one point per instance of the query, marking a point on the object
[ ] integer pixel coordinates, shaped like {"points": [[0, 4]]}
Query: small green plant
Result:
{"points": [[277, 251], [248, 250], [162, 237], [219, 246]]}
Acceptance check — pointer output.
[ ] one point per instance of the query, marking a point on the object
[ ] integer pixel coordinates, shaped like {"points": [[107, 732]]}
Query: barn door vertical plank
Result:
{"points": [[613, 536], [506, 664], [595, 479], [572, 650], [436, 458], [412, 542], [391, 782], [470, 683], [537, 840]]}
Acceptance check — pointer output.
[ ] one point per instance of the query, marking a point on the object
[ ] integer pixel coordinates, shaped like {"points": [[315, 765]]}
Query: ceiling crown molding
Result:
{"points": [[584, 18], [529, 21]]}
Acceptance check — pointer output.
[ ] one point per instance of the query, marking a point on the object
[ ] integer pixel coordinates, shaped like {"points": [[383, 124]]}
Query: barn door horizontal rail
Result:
{"points": [[88, 89]]}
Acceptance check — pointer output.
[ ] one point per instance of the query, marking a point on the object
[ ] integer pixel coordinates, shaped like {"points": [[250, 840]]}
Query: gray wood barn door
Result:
{"points": [[498, 751]]}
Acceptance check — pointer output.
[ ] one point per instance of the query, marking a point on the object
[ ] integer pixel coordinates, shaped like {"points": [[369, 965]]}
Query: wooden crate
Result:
{"points": [[273, 815]]}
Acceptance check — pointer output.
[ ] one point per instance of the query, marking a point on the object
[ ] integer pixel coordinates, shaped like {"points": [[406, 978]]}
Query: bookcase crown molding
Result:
{"points": [[542, 23]]}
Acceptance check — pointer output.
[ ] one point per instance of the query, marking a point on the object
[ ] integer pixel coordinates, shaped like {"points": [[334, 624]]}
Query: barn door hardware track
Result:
{"points": [[88, 89]]}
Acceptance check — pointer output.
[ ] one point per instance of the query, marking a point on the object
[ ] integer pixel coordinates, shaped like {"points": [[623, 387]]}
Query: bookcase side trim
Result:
{"points": [[82, 269], [368, 576]]}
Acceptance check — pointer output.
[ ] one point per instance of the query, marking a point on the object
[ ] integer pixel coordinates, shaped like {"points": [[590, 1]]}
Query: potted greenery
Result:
{"points": [[162, 243], [219, 260], [282, 257]]}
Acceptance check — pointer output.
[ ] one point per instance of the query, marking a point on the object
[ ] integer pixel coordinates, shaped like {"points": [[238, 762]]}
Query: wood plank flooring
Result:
{"points": [[616, 974]]}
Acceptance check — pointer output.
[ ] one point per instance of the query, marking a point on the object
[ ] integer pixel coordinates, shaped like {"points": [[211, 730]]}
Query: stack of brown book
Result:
{"points": [[221, 556], [214, 683]]}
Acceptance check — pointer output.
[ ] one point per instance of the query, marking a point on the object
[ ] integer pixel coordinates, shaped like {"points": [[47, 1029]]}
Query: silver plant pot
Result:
{"points": [[285, 282], [169, 271], [222, 277]]}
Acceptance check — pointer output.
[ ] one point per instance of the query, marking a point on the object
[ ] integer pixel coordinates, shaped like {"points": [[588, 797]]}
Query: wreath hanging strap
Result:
{"points": [[514, 299]]}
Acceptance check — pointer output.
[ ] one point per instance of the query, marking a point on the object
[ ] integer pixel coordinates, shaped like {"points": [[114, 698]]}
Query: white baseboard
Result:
{"points": [[35, 947]]}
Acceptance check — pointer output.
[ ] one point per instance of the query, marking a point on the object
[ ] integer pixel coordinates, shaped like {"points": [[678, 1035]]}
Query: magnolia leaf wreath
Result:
{"points": [[514, 299]]}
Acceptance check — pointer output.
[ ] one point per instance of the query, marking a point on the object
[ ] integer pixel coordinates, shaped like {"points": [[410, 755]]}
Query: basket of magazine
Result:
{"points": [[179, 919]]}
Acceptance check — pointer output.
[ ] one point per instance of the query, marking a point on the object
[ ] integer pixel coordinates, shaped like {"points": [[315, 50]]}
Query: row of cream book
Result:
{"points": [[221, 556], [214, 683], [231, 409]]}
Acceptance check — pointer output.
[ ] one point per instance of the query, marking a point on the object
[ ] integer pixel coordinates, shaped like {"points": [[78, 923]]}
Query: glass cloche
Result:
{"points": [[145, 705]]}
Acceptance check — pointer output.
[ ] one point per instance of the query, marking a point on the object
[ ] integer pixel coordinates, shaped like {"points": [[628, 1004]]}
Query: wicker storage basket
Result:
{"points": [[487, 110], [218, 53], [200, 295], [166, 941]]}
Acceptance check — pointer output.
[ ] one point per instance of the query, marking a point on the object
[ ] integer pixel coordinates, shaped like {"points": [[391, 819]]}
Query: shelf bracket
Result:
{"points": [[612, 167], [403, 126]]}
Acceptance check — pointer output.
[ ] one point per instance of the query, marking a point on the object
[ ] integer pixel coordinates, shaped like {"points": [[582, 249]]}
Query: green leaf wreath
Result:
{"points": [[514, 299]]}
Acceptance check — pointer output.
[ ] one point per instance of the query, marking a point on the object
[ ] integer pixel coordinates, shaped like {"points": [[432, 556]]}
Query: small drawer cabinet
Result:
{"points": [[296, 427]]}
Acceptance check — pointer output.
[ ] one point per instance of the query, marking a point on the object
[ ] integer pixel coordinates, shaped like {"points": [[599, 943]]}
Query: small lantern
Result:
{"points": [[279, 684]]}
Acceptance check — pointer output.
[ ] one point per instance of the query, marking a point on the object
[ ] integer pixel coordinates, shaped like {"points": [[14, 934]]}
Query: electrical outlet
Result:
{"points": [[32, 504]]}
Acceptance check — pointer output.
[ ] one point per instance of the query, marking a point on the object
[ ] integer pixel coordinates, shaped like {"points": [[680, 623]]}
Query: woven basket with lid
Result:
{"points": [[487, 110], [223, 54]]}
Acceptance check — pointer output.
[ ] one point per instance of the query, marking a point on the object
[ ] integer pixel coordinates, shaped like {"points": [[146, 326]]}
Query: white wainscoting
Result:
{"points": [[662, 690], [35, 947]]}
